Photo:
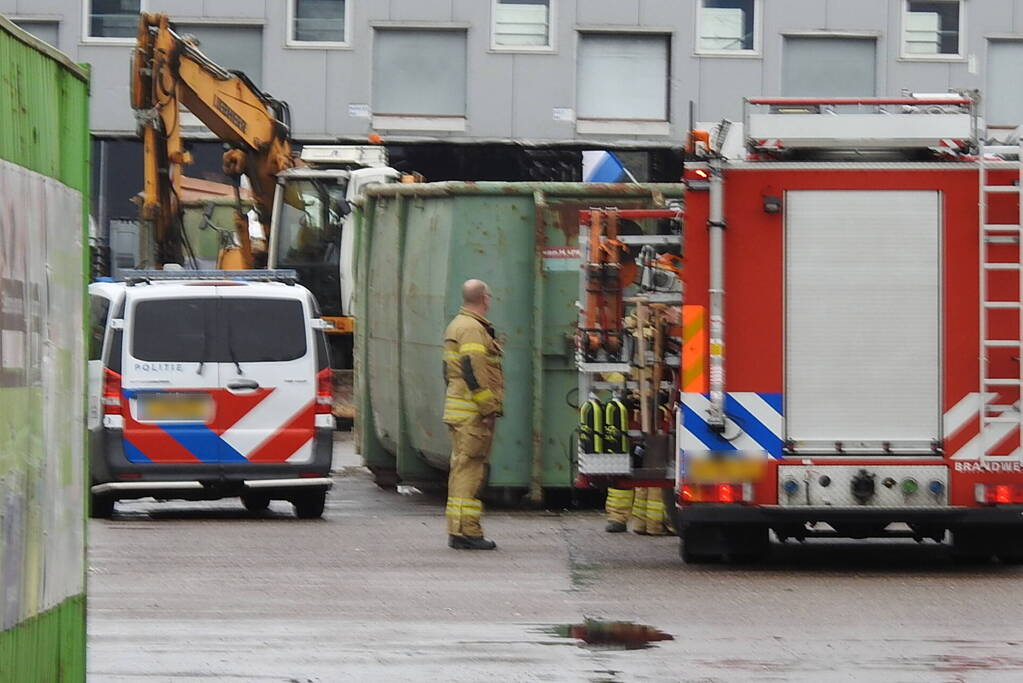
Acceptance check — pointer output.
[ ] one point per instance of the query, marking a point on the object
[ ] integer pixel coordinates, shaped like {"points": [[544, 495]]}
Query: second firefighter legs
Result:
{"points": [[647, 507]]}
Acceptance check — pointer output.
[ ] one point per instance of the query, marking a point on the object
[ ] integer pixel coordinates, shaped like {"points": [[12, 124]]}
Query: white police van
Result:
{"points": [[207, 385]]}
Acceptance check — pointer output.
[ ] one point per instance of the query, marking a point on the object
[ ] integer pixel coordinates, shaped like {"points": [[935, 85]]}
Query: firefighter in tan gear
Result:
{"points": [[472, 404], [645, 505]]}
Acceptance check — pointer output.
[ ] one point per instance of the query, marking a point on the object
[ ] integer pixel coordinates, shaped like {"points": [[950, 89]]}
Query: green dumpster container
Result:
{"points": [[416, 245]]}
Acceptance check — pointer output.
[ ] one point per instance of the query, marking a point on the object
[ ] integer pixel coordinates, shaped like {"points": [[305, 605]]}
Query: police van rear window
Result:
{"points": [[244, 330]]}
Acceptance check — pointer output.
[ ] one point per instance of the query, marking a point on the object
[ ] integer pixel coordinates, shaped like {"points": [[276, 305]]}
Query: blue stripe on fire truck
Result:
{"points": [[755, 424]]}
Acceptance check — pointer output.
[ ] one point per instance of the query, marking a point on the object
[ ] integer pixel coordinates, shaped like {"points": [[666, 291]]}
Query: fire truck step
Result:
{"points": [[1001, 343], [1001, 266], [1001, 188], [1001, 304], [1002, 382], [1001, 228]]}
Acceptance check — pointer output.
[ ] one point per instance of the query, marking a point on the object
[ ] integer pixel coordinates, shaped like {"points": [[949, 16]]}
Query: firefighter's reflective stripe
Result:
{"points": [[464, 507], [482, 396], [451, 355], [459, 409], [618, 505], [619, 497], [470, 348], [655, 511]]}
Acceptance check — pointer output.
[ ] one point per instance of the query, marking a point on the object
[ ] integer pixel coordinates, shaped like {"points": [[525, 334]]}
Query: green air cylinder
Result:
{"points": [[591, 426], [616, 427]]}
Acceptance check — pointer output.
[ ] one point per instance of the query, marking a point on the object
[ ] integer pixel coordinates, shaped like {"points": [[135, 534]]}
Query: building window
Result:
{"points": [[237, 48], [318, 21], [623, 76], [112, 18], [46, 31], [728, 26], [522, 24], [419, 73], [932, 29]]}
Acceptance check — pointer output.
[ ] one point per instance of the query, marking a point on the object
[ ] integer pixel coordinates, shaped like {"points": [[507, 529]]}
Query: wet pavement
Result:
{"points": [[209, 592]]}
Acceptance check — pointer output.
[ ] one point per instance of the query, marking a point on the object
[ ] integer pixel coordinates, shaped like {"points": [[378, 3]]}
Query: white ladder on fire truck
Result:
{"points": [[1000, 395]]}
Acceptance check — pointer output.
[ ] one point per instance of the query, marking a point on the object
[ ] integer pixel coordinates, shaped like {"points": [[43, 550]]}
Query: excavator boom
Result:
{"points": [[169, 72]]}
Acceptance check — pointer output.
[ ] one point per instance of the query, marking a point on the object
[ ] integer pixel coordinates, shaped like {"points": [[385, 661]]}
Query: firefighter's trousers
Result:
{"points": [[470, 455], [649, 513], [618, 505]]}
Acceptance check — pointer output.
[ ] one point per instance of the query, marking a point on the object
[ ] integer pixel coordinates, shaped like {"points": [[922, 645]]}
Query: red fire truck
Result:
{"points": [[855, 371]]}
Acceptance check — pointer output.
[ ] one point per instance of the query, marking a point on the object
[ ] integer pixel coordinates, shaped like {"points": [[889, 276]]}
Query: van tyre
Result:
{"points": [[255, 503], [310, 506], [101, 507]]}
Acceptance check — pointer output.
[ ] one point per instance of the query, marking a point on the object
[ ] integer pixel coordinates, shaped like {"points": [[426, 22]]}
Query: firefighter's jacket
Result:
{"points": [[472, 369]]}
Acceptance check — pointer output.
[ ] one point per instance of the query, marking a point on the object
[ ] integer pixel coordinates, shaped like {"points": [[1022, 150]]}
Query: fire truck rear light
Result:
{"points": [[716, 493], [726, 493], [1003, 494], [999, 494]]}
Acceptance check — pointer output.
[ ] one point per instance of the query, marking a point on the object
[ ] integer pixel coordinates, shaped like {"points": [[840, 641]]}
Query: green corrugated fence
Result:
{"points": [[44, 190]]}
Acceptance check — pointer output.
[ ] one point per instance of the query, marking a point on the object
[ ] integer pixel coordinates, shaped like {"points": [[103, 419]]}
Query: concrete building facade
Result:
{"points": [[448, 76]]}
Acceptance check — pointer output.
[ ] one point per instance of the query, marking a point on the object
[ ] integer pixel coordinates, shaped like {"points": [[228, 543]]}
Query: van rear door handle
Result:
{"points": [[243, 384]]}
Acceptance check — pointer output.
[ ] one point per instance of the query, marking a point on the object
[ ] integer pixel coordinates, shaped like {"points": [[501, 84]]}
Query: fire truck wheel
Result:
{"points": [[974, 545], [690, 557], [747, 544], [700, 543]]}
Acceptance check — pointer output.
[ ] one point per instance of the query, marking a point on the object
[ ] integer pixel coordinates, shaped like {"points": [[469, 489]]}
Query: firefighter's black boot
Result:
{"points": [[615, 527], [470, 543]]}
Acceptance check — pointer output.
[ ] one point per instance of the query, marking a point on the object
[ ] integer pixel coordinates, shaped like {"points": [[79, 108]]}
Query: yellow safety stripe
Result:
{"points": [[624, 495], [472, 348], [469, 507], [483, 395], [451, 355], [462, 403], [457, 417]]}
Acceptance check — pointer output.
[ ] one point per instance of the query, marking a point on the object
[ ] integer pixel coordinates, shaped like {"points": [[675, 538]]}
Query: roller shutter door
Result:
{"points": [[862, 316]]}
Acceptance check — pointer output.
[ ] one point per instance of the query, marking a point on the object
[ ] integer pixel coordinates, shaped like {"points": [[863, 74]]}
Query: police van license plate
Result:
{"points": [[168, 406]]}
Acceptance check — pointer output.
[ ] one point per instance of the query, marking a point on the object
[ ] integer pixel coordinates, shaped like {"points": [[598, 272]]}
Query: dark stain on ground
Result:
{"points": [[611, 635]]}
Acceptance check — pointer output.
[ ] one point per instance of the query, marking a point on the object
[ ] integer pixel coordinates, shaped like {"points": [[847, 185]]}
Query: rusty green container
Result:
{"points": [[44, 208], [416, 245]]}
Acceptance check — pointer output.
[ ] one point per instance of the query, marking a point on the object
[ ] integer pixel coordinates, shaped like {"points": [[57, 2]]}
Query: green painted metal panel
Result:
{"points": [[44, 190], [416, 245], [47, 647]]}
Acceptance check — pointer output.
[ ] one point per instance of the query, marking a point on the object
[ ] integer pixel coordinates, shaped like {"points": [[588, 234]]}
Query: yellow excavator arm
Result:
{"points": [[168, 72]]}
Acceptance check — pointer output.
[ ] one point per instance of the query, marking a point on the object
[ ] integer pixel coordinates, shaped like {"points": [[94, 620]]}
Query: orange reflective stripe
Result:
{"points": [[694, 345]]}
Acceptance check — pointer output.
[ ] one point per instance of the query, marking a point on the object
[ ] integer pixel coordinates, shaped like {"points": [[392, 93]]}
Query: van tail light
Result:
{"points": [[1000, 494], [716, 493], [111, 392], [324, 392]]}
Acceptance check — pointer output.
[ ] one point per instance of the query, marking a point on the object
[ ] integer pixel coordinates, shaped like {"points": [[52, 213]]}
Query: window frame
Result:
{"points": [[552, 36], [758, 35], [626, 126], [941, 56], [289, 31], [103, 40], [21, 20]]}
